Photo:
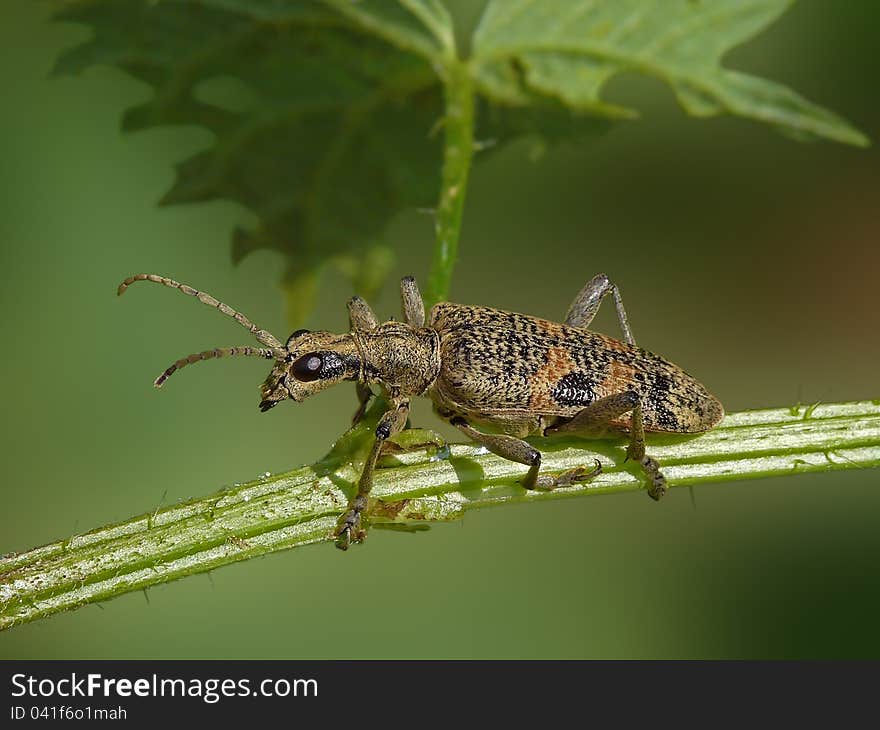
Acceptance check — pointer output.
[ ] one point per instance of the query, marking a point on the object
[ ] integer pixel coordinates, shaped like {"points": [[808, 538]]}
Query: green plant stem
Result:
{"points": [[411, 488], [458, 151]]}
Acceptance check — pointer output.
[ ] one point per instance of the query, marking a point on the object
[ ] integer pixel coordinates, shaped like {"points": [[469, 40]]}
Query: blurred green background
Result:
{"points": [[749, 259]]}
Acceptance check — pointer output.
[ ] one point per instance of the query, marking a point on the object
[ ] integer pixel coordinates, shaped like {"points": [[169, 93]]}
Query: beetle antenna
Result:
{"points": [[264, 337], [263, 352]]}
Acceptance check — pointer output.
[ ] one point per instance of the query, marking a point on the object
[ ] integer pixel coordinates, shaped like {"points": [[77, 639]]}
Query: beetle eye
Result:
{"points": [[308, 367]]}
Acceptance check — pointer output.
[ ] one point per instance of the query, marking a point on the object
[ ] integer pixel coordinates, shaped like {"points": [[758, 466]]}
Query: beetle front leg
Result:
{"points": [[604, 410], [362, 319], [514, 449], [349, 529]]}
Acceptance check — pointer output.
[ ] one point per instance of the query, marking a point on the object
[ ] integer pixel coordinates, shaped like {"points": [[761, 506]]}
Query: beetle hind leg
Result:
{"points": [[658, 482], [514, 449], [586, 304], [636, 452], [604, 410]]}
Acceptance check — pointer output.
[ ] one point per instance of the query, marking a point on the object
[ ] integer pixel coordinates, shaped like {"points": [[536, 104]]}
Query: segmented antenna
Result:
{"points": [[264, 337], [212, 354]]}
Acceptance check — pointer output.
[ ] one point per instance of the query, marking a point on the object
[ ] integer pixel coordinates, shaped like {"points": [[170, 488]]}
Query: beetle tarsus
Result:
{"points": [[568, 478], [657, 486], [350, 530]]}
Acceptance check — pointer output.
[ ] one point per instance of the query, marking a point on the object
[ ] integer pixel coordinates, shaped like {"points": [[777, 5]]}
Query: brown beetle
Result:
{"points": [[519, 375]]}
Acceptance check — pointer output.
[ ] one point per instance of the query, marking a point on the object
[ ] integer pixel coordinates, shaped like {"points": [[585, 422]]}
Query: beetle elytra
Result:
{"points": [[516, 374]]}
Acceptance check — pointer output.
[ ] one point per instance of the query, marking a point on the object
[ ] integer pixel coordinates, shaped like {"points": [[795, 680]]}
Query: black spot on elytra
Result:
{"points": [[574, 389], [661, 383]]}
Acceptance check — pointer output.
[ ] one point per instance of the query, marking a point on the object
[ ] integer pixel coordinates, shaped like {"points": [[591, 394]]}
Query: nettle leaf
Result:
{"points": [[570, 49], [321, 112], [327, 114]]}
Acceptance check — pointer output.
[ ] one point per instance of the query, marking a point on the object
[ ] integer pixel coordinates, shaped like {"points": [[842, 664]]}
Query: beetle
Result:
{"points": [[516, 374]]}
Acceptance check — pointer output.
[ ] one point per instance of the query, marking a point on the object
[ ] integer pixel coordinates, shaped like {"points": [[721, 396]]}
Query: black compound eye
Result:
{"points": [[308, 367]]}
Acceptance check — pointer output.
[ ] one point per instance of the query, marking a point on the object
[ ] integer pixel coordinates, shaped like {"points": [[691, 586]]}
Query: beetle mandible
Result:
{"points": [[516, 374]]}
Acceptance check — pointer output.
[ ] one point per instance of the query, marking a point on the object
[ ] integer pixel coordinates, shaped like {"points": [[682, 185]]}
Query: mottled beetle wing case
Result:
{"points": [[510, 368]]}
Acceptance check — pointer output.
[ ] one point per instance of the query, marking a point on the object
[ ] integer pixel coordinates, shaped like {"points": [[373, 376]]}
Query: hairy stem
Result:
{"points": [[458, 150], [413, 487]]}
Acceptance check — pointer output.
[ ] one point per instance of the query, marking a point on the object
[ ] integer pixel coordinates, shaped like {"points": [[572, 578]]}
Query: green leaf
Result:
{"points": [[404, 23], [321, 111], [570, 49], [325, 116]]}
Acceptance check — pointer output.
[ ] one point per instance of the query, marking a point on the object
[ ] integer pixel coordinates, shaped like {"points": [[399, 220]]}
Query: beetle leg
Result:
{"points": [[362, 319], [600, 412], [361, 316], [349, 528], [586, 304], [636, 452], [514, 449], [604, 410], [411, 302]]}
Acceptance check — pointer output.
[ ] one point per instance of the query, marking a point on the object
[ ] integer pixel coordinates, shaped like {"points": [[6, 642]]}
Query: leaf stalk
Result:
{"points": [[458, 152]]}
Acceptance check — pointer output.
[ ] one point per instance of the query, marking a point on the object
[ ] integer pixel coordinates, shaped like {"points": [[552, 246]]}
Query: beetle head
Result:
{"points": [[313, 361]]}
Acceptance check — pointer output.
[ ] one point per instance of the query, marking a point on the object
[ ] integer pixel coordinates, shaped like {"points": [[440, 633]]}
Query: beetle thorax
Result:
{"points": [[399, 357]]}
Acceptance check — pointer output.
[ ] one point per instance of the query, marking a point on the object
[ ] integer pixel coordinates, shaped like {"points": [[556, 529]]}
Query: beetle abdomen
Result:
{"points": [[501, 366]]}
